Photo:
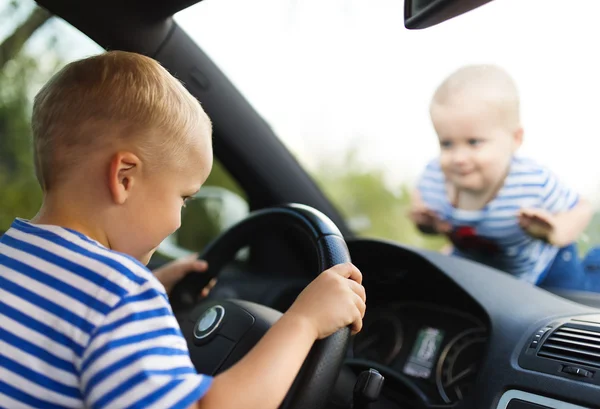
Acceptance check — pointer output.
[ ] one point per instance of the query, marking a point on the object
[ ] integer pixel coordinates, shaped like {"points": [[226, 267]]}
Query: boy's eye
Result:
{"points": [[475, 141], [445, 144]]}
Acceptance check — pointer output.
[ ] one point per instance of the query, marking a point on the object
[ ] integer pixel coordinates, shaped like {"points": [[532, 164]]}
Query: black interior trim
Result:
{"points": [[437, 12], [145, 10]]}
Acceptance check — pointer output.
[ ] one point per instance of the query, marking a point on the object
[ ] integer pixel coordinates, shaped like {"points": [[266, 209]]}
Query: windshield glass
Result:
{"points": [[347, 88]]}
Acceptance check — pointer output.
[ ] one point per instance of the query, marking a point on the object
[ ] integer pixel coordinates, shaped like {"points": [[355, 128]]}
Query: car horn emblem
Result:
{"points": [[209, 321]]}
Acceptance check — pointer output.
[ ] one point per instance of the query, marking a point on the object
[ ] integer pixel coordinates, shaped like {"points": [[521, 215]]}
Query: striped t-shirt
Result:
{"points": [[492, 235], [84, 326]]}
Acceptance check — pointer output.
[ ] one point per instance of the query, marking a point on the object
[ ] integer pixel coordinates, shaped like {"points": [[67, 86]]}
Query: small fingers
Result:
{"points": [[357, 324], [206, 290], [348, 270], [540, 214], [211, 284], [360, 304], [431, 213], [443, 227], [199, 266], [358, 289]]}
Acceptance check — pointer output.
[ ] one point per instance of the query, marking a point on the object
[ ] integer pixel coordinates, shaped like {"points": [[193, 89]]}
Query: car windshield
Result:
{"points": [[347, 88]]}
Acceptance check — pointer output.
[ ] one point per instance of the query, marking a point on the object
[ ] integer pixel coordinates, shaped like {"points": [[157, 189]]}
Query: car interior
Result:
{"points": [[439, 332]]}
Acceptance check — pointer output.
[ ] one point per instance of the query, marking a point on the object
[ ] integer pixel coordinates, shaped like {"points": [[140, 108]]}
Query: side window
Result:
{"points": [[33, 46]]}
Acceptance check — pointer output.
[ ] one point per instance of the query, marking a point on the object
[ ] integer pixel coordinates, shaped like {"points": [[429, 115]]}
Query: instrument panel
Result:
{"points": [[435, 350]]}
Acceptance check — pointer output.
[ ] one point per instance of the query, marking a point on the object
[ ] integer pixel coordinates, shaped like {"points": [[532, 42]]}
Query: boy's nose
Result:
{"points": [[460, 156]]}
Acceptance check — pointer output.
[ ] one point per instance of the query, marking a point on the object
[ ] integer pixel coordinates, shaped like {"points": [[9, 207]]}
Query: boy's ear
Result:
{"points": [[518, 138], [124, 171]]}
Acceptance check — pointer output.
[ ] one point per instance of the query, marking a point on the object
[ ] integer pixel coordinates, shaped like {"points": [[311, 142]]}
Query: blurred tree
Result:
{"points": [[20, 192], [12, 45]]}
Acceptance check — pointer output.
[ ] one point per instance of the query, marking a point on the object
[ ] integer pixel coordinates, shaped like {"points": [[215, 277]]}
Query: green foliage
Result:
{"points": [[591, 237], [20, 76], [21, 194]]}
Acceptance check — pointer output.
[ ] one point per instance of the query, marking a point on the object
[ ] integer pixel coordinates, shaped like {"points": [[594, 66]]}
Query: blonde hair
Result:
{"points": [[114, 96], [487, 84]]}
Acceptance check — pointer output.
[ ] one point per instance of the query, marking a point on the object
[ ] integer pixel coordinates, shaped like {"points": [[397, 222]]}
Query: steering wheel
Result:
{"points": [[220, 332]]}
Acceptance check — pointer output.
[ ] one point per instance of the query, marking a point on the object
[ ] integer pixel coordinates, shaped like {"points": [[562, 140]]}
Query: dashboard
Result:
{"points": [[448, 333], [445, 332]]}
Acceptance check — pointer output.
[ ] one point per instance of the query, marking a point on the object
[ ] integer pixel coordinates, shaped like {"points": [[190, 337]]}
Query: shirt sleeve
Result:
{"points": [[138, 358], [556, 196]]}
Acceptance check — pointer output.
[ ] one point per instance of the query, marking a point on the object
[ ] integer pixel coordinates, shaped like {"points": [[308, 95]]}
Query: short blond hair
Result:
{"points": [[483, 83], [112, 96]]}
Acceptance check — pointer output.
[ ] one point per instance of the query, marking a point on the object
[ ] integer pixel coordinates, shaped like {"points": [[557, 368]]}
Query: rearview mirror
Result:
{"points": [[420, 14]]}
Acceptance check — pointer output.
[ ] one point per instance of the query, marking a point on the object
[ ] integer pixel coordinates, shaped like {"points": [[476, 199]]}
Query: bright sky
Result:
{"points": [[332, 74]]}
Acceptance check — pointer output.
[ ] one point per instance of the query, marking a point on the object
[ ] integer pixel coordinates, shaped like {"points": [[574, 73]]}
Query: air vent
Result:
{"points": [[574, 342]]}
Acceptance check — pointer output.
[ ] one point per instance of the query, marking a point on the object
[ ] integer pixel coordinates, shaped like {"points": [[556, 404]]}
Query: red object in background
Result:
{"points": [[465, 231], [465, 238]]}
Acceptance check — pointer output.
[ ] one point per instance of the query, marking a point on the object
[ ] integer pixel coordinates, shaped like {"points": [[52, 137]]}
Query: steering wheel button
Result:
{"points": [[208, 322]]}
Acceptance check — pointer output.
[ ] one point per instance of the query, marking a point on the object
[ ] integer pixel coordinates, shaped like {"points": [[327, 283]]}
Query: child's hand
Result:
{"points": [[334, 300], [424, 217], [538, 223], [172, 272]]}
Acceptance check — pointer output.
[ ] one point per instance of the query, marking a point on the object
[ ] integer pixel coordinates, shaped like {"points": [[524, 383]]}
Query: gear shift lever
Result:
{"points": [[367, 388]]}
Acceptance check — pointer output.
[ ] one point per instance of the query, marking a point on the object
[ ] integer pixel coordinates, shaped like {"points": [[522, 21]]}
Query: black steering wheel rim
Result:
{"points": [[319, 372]]}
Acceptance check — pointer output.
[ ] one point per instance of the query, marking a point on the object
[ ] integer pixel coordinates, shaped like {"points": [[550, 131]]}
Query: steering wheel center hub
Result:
{"points": [[209, 322]]}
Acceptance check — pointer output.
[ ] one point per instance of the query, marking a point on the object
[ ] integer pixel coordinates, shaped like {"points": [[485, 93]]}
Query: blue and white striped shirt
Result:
{"points": [[492, 235], [84, 326]]}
